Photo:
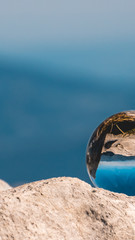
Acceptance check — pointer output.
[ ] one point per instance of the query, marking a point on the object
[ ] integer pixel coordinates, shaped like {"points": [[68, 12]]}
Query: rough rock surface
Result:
{"points": [[4, 186], [65, 209]]}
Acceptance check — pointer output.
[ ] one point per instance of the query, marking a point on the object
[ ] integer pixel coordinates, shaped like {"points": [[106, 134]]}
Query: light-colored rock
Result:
{"points": [[4, 186], [122, 145], [65, 209]]}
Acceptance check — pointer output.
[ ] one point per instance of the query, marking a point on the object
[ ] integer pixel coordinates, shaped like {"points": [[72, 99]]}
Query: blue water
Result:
{"points": [[47, 117], [118, 176]]}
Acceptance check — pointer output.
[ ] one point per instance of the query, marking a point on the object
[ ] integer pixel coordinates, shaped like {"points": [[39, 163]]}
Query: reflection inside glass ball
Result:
{"points": [[110, 155]]}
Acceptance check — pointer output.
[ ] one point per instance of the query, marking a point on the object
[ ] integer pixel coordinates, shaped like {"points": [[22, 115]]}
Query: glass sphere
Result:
{"points": [[110, 155]]}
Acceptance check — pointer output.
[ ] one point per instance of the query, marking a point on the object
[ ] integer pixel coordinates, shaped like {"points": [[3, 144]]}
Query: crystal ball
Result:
{"points": [[110, 154]]}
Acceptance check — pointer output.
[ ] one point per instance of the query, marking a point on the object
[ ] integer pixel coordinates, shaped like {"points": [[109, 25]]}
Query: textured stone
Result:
{"points": [[4, 186], [65, 209]]}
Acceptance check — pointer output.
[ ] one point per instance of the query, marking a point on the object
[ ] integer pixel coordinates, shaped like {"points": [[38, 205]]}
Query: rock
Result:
{"points": [[4, 186], [65, 209], [120, 144]]}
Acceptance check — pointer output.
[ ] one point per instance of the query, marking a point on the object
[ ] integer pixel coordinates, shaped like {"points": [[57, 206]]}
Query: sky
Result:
{"points": [[92, 37], [27, 22]]}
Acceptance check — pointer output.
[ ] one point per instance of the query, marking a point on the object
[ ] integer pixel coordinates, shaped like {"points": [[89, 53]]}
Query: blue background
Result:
{"points": [[64, 68]]}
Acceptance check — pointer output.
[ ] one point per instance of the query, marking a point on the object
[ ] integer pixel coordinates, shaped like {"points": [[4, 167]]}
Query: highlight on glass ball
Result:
{"points": [[110, 155]]}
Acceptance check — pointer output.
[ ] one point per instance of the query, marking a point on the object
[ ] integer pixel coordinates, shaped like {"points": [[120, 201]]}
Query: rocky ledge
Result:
{"points": [[65, 209]]}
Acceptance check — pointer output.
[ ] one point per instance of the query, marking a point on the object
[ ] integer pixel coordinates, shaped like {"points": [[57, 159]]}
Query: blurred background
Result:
{"points": [[64, 67]]}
